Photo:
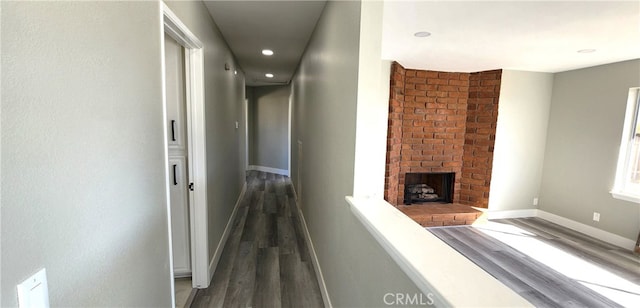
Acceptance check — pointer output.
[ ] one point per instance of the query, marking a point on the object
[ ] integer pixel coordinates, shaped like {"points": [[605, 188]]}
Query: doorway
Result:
{"points": [[185, 152], [179, 167]]}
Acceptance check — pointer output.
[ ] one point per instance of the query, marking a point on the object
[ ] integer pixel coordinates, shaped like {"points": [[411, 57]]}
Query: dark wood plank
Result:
{"points": [[294, 280], [272, 230], [251, 226], [280, 187], [286, 236], [281, 204], [214, 295], [242, 282], [251, 267], [270, 203], [261, 237], [267, 289]]}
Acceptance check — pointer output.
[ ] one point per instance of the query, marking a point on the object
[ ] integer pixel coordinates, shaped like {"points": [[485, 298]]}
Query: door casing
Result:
{"points": [[196, 143]]}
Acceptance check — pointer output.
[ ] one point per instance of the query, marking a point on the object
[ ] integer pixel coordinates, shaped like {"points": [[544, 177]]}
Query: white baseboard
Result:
{"points": [[225, 235], [268, 169], [602, 235], [512, 214], [314, 259]]}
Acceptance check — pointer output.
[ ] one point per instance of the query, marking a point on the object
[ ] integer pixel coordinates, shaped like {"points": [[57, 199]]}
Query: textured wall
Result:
{"points": [[83, 170]]}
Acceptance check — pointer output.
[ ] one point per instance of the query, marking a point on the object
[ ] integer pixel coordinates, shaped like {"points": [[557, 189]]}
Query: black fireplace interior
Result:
{"points": [[428, 187]]}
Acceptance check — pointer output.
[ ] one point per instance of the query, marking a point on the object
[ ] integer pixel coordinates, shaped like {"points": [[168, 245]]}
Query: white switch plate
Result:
{"points": [[34, 291], [596, 216], [237, 124], [535, 201]]}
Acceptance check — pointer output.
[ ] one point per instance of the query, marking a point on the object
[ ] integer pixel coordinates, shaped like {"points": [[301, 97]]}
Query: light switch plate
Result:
{"points": [[34, 291]]}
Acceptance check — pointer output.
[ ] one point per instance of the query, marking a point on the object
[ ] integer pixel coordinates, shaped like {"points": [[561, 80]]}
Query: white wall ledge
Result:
{"points": [[432, 265]]}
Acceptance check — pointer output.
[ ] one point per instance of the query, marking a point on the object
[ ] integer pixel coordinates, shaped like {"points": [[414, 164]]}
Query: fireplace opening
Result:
{"points": [[428, 187]]}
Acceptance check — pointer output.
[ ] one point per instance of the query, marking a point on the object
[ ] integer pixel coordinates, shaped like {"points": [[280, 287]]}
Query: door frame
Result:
{"points": [[196, 143]]}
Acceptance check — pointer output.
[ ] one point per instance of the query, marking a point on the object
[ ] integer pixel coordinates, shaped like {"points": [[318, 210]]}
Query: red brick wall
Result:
{"points": [[394, 132], [428, 131], [482, 116]]}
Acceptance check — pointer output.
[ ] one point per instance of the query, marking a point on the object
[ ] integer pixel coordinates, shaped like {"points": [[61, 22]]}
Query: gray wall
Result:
{"points": [[224, 96], [83, 181], [357, 271], [269, 128], [585, 128], [83, 172], [523, 115]]}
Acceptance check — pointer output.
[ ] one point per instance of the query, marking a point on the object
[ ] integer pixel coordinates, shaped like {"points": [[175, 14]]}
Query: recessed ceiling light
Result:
{"points": [[422, 34], [268, 75], [267, 52], [586, 50], [235, 72]]}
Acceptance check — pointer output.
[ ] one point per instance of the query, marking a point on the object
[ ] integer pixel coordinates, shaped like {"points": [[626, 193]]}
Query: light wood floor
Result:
{"points": [[265, 262], [549, 265]]}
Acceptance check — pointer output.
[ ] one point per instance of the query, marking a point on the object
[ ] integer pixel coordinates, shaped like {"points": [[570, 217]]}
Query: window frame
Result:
{"points": [[623, 189]]}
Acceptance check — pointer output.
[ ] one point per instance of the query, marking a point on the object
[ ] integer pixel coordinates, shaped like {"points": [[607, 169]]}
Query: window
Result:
{"points": [[627, 184]]}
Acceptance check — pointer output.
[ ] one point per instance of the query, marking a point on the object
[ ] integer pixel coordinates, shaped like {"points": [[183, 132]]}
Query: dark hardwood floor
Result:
{"points": [[549, 265], [265, 262]]}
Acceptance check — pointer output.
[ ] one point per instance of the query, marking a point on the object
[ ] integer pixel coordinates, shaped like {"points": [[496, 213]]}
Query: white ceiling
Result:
{"points": [[532, 36], [467, 36], [282, 26]]}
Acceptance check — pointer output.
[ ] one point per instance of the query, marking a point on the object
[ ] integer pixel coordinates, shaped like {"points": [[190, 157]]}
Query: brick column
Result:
{"points": [[394, 132], [482, 117]]}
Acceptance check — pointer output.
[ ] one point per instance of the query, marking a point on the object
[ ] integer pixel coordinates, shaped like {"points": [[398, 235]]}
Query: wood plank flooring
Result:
{"points": [[265, 262], [542, 285]]}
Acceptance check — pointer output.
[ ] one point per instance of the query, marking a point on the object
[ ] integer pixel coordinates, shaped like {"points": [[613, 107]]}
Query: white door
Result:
{"points": [[178, 156]]}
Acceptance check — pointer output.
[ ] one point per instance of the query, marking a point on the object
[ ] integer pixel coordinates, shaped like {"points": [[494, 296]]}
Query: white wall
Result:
{"points": [[523, 116], [372, 107], [83, 171], [357, 271], [224, 96], [269, 128], [585, 128]]}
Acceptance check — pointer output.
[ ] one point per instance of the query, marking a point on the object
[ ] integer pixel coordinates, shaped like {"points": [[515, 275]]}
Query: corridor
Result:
{"points": [[265, 262]]}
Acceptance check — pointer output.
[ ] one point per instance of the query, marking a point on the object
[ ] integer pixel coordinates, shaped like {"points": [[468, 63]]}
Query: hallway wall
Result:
{"points": [[356, 269], [269, 126]]}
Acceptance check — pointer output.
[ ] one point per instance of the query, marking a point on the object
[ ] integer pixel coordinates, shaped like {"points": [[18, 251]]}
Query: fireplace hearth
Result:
{"points": [[428, 187]]}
